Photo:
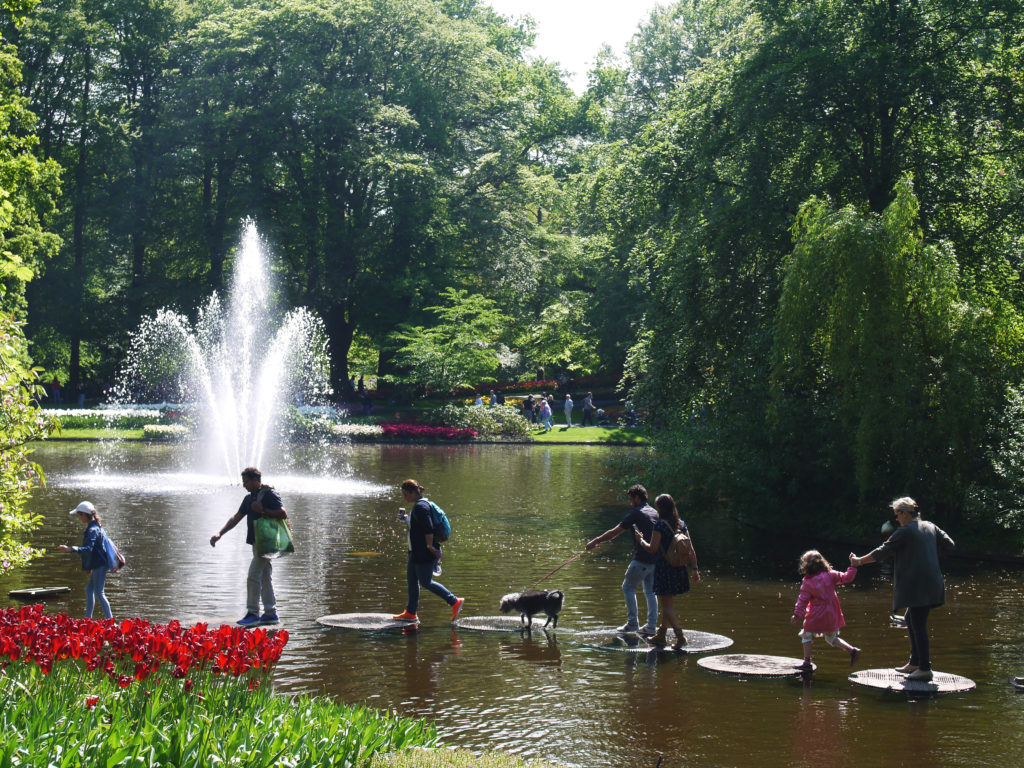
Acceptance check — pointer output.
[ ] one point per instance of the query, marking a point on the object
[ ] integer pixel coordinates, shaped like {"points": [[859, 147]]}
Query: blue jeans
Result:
{"points": [[636, 574], [94, 593], [258, 585], [422, 574]]}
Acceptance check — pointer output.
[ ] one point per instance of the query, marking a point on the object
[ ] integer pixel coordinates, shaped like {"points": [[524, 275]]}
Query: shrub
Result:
{"points": [[502, 420]]}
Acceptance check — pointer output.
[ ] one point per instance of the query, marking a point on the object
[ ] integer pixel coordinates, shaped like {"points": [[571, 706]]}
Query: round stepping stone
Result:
{"points": [[630, 642], [891, 680], [500, 624], [35, 593], [368, 622], [753, 665]]}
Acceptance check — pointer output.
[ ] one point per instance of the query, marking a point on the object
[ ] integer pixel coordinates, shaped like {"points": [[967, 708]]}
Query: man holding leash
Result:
{"points": [[262, 501], [642, 517]]}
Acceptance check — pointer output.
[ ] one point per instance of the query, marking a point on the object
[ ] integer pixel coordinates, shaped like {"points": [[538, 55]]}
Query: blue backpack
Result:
{"points": [[442, 528]]}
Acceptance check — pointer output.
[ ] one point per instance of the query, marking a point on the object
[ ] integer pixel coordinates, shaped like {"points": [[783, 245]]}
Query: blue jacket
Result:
{"points": [[93, 552]]}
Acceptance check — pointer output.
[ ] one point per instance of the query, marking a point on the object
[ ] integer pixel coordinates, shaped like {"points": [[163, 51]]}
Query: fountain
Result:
{"points": [[235, 368]]}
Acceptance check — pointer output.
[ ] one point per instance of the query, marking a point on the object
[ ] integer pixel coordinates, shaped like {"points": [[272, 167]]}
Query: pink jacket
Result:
{"points": [[818, 603]]}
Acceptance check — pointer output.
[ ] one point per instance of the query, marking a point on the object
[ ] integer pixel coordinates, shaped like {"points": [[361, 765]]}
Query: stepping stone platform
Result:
{"points": [[36, 593], [891, 680], [753, 665], [510, 623], [367, 622], [630, 642]]}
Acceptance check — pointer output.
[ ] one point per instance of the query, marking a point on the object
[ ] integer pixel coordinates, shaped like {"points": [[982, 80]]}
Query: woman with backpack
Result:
{"points": [[424, 553], [669, 580], [95, 561]]}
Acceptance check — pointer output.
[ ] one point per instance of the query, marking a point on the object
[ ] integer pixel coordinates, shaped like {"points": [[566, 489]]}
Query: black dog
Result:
{"points": [[529, 603]]}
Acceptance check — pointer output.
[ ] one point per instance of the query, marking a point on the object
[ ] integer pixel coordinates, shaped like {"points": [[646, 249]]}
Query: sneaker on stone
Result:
{"points": [[248, 620], [406, 616], [457, 607], [269, 618], [647, 631], [627, 627]]}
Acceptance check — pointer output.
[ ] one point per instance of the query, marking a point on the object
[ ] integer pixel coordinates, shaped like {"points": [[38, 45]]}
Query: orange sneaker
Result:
{"points": [[406, 616], [457, 607]]}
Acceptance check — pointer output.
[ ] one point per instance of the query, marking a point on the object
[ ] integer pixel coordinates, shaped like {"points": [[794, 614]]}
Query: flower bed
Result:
{"points": [[165, 431], [357, 431], [426, 432], [82, 692]]}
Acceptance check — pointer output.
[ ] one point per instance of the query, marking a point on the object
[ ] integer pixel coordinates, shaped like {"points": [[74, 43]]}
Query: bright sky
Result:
{"points": [[571, 32]]}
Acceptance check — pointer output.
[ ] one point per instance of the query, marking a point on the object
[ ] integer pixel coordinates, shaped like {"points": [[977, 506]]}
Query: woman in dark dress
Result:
{"points": [[668, 580]]}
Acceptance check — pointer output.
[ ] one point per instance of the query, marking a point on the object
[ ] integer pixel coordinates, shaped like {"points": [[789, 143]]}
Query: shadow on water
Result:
{"points": [[518, 512]]}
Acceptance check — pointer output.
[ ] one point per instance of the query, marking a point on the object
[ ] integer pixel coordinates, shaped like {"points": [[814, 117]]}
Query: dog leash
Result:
{"points": [[574, 557]]}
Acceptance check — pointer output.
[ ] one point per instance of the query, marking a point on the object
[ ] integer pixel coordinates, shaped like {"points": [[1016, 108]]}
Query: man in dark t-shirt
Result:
{"points": [[641, 516], [261, 501]]}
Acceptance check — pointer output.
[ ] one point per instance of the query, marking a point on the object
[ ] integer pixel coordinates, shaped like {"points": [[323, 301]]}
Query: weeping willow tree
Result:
{"points": [[889, 363]]}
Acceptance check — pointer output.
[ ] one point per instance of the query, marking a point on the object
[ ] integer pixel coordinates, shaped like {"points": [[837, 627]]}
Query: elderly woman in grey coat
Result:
{"points": [[918, 587]]}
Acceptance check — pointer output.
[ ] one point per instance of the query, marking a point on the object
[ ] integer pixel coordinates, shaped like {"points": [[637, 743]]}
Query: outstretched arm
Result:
{"points": [[608, 535], [231, 523]]}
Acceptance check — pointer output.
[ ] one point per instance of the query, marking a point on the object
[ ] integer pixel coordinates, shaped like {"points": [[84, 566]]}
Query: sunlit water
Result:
{"points": [[517, 513]]}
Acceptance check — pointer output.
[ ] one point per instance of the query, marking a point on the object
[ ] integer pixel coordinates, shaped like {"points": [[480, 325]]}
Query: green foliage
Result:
{"points": [[459, 351], [499, 421], [300, 428], [157, 723], [21, 423], [28, 185], [884, 356]]}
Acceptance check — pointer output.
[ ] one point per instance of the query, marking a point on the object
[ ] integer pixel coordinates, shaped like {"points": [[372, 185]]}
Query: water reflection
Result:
{"points": [[516, 514]]}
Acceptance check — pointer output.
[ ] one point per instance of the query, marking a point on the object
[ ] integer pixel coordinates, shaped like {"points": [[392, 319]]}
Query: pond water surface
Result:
{"points": [[517, 513]]}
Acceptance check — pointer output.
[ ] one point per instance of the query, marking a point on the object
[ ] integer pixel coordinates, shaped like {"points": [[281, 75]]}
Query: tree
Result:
{"points": [[21, 424], [27, 186], [886, 358], [459, 351]]}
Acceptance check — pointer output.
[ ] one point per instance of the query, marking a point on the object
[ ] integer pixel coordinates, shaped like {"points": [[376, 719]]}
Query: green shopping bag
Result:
{"points": [[273, 537]]}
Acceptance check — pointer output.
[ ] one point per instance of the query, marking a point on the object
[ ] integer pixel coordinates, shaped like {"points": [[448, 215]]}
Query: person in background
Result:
{"points": [[917, 581], [479, 401], [641, 567], [261, 501], [588, 410], [545, 413], [424, 554], [94, 558], [568, 411]]}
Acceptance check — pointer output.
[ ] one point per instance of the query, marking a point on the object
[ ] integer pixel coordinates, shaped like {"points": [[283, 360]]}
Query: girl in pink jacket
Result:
{"points": [[818, 606]]}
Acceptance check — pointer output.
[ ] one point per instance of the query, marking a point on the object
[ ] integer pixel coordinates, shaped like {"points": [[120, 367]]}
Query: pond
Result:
{"points": [[517, 513]]}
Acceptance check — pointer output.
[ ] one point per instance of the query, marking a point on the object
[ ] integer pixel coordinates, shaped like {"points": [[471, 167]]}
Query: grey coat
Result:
{"points": [[914, 549]]}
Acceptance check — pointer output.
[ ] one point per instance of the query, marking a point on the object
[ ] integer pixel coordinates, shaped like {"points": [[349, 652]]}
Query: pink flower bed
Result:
{"points": [[424, 432]]}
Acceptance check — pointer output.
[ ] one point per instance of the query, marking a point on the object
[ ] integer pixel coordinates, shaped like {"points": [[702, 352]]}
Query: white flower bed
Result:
{"points": [[356, 430]]}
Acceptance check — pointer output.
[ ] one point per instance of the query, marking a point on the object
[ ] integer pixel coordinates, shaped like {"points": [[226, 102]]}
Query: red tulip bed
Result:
{"points": [[78, 691], [426, 432]]}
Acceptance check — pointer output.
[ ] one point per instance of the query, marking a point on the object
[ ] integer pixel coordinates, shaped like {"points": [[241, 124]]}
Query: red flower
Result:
{"points": [[91, 701], [188, 685], [123, 681]]}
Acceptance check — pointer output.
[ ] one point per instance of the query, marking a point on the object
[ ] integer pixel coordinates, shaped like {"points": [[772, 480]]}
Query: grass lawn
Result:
{"points": [[99, 434], [589, 435]]}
